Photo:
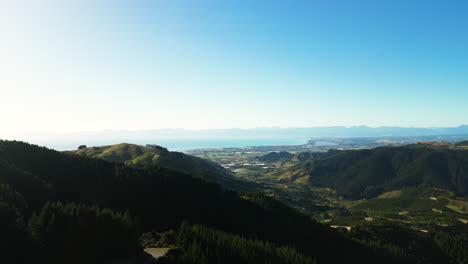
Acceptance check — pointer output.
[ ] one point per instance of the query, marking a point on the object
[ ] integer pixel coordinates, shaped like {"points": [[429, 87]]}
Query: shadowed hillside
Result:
{"points": [[136, 155], [370, 172], [462, 144]]}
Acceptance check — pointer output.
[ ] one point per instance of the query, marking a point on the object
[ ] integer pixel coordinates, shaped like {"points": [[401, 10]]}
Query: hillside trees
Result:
{"points": [[81, 233]]}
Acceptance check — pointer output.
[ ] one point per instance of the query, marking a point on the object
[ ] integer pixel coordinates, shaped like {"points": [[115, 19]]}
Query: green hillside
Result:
{"points": [[427, 206], [284, 157], [273, 157], [72, 208], [462, 144], [67, 208], [370, 172], [131, 154], [228, 248]]}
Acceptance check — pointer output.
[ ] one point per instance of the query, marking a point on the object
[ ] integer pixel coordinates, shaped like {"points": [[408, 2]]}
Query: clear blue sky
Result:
{"points": [[92, 65]]}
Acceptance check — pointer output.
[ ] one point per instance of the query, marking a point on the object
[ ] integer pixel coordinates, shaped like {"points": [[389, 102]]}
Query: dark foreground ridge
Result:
{"points": [[136, 155]]}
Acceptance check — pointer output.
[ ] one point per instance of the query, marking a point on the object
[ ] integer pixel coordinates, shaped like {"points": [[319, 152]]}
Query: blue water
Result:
{"points": [[224, 143], [178, 144]]}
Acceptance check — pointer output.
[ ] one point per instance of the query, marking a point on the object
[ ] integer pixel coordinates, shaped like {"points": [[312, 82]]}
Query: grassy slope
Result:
{"points": [[132, 154], [368, 173], [422, 205]]}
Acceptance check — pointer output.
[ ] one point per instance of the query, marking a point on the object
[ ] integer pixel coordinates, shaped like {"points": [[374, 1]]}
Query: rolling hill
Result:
{"points": [[370, 172], [283, 158], [135, 155], [273, 157], [461, 144]]}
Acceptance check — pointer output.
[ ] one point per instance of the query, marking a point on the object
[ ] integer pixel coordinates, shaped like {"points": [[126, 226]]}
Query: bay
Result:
{"points": [[175, 144]]}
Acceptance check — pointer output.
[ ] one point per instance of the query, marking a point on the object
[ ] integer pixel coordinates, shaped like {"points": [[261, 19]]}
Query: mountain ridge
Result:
{"points": [[137, 155], [370, 172], [153, 135]]}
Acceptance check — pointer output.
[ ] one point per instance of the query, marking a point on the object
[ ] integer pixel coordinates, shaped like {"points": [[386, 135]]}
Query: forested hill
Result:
{"points": [[132, 154], [370, 172], [462, 144], [64, 208]]}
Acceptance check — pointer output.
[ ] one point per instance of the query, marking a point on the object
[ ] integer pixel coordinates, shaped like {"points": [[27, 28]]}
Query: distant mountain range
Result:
{"points": [[108, 137], [332, 131], [266, 132]]}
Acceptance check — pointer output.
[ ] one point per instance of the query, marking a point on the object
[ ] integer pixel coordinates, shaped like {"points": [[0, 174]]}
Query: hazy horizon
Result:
{"points": [[188, 130], [176, 139]]}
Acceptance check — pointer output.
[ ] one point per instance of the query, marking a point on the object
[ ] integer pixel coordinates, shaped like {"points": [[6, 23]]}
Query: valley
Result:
{"points": [[392, 204], [282, 173], [286, 173]]}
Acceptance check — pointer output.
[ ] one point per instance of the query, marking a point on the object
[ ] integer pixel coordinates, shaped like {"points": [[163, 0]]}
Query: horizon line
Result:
{"points": [[230, 128]]}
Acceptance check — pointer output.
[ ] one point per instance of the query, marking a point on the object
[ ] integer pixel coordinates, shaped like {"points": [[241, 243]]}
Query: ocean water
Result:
{"points": [[176, 144], [224, 143]]}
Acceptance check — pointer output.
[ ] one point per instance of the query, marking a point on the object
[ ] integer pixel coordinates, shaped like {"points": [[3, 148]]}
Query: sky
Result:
{"points": [[68, 66]]}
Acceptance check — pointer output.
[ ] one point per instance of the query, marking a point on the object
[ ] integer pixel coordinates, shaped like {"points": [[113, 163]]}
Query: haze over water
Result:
{"points": [[179, 144]]}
